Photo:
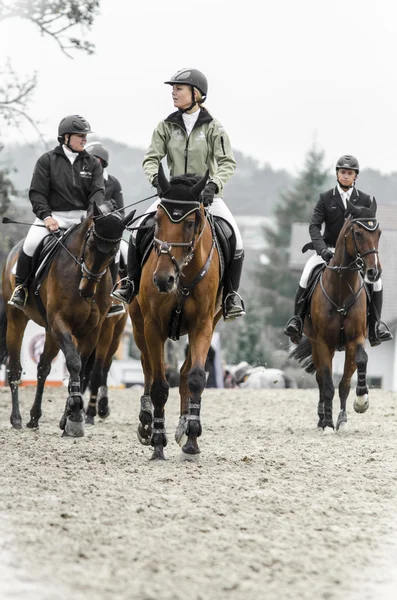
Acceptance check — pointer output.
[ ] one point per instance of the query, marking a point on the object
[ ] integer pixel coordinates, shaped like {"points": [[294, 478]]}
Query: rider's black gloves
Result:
{"points": [[208, 193], [327, 255], [155, 183]]}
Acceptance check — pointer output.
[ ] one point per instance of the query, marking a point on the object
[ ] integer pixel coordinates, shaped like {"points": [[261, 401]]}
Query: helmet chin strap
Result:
{"points": [[193, 104], [68, 145], [346, 187]]}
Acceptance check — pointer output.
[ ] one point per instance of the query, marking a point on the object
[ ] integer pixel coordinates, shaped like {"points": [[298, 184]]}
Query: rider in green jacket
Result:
{"points": [[193, 142]]}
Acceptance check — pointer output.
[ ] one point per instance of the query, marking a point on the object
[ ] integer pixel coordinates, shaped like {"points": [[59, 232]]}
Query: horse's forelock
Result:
{"points": [[180, 188], [109, 226]]}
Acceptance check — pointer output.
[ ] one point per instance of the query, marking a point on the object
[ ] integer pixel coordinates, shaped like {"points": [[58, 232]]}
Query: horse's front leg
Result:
{"points": [[199, 344], [16, 325], [50, 351], [72, 420], [159, 388], [324, 356], [145, 427], [361, 402], [344, 385]]}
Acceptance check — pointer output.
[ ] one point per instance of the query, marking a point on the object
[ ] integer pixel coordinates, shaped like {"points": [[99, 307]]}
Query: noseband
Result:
{"points": [[166, 247], [86, 273]]}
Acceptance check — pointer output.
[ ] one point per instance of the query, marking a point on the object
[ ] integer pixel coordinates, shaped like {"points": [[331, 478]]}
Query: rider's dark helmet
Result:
{"points": [[191, 77], [73, 124], [97, 149], [348, 162]]}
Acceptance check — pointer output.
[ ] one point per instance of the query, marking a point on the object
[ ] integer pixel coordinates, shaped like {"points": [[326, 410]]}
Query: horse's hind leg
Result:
{"points": [[180, 433], [344, 386], [16, 325], [103, 395], [319, 379], [361, 402], [50, 351]]}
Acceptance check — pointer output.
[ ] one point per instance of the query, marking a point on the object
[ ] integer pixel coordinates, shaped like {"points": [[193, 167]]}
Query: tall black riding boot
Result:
{"points": [[233, 304], [130, 287], [24, 268], [115, 309], [294, 327], [378, 331]]}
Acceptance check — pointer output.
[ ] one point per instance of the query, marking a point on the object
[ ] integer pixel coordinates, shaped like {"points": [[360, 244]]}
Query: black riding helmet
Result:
{"points": [[348, 162], [72, 124], [194, 78], [97, 149]]}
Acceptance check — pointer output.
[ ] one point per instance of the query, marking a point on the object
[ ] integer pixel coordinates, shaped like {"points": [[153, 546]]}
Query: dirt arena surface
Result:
{"points": [[272, 510]]}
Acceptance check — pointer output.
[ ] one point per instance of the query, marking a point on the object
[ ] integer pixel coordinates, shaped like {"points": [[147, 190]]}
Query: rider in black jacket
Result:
{"points": [[330, 211], [66, 182]]}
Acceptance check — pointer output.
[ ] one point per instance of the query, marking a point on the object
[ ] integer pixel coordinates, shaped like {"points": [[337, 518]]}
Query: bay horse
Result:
{"points": [[71, 304], [338, 315], [179, 292]]}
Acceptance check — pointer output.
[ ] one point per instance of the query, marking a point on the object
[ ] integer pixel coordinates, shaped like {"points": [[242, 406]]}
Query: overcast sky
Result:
{"points": [[281, 74]]}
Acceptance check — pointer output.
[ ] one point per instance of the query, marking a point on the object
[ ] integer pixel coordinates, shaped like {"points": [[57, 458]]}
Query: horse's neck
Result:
{"points": [[346, 280]]}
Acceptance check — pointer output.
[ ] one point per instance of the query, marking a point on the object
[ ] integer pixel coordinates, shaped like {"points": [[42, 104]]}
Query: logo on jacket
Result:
{"points": [[86, 174], [200, 136], [177, 134]]}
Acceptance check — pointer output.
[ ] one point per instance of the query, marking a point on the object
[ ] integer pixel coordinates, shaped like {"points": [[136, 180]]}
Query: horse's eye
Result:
{"points": [[359, 234], [190, 224]]}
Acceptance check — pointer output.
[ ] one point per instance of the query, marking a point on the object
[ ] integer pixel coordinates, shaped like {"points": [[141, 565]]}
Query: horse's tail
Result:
{"points": [[303, 354], [3, 331]]}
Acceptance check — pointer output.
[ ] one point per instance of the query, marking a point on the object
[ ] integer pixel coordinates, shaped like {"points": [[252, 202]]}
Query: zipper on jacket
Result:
{"points": [[223, 146], [186, 154]]}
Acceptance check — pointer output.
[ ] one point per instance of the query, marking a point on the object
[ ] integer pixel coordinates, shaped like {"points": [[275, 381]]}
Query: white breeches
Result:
{"points": [[123, 250], [35, 234], [317, 260], [217, 208]]}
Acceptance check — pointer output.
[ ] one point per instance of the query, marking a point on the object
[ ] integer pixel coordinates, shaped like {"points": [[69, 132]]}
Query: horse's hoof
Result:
{"points": [[74, 428], [62, 423], [17, 424], [103, 409], [328, 430], [191, 448], [158, 453], [33, 424], [342, 427], [103, 414], [144, 433], [361, 403], [320, 424], [90, 420], [341, 423]]}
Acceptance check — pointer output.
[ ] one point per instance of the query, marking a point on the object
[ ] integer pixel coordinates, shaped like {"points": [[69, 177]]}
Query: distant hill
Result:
{"points": [[253, 190]]}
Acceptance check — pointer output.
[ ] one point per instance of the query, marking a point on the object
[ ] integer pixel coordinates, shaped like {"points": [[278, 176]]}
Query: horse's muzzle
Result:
{"points": [[165, 283], [87, 289], [373, 275]]}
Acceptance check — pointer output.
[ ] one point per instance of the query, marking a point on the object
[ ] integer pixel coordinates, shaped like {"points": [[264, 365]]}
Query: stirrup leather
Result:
{"points": [[17, 289], [237, 311]]}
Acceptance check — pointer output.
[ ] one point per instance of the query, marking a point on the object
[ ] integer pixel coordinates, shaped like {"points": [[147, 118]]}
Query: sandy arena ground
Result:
{"points": [[273, 509]]}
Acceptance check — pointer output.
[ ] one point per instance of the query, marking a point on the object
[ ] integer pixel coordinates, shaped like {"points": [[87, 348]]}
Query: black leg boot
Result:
{"points": [[294, 327], [116, 309], [130, 287], [233, 304], [24, 268], [378, 331]]}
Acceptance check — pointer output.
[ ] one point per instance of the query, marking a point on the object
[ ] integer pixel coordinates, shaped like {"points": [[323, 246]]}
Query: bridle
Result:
{"points": [[162, 247], [357, 263], [86, 273]]}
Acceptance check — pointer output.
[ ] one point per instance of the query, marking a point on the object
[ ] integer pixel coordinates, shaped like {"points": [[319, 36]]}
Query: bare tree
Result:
{"points": [[55, 19]]}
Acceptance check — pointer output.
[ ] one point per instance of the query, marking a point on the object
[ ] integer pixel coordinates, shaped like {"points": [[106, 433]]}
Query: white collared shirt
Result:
{"points": [[345, 195], [190, 120], [105, 174], [69, 154]]}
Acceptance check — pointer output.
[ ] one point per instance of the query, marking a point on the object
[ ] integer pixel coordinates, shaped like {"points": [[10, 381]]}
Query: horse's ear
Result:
{"points": [[351, 209], [128, 218], [198, 187], [96, 210], [163, 181], [373, 206]]}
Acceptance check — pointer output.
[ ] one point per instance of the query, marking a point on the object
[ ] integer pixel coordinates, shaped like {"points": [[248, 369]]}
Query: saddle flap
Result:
{"points": [[226, 240]]}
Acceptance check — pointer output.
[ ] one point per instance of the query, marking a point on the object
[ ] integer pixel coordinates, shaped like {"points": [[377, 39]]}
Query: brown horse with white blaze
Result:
{"points": [[338, 315], [71, 304], [179, 294]]}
